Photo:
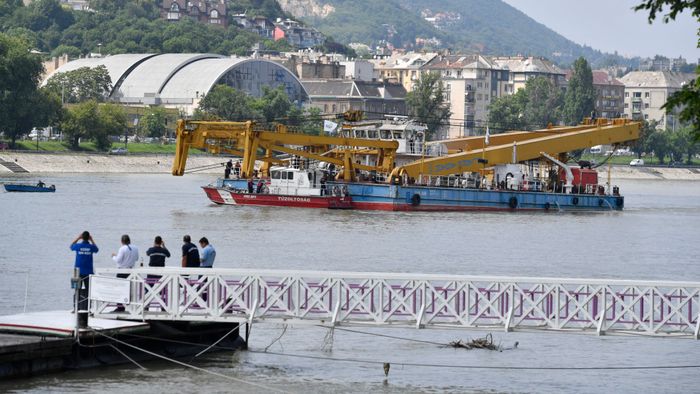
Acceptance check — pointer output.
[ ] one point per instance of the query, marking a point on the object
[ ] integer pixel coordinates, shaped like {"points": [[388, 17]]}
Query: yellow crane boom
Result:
{"points": [[241, 139], [517, 147]]}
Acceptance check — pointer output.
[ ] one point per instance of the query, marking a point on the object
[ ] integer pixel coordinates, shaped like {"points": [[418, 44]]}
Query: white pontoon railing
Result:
{"points": [[655, 308]]}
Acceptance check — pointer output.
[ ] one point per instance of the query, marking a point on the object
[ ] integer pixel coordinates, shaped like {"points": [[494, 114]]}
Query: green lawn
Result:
{"points": [[132, 147], [626, 159]]}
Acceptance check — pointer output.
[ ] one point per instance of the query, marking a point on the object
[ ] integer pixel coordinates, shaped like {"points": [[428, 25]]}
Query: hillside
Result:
{"points": [[486, 26]]}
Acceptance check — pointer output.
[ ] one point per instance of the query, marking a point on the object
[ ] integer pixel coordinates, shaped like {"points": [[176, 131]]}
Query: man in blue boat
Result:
{"points": [[83, 262]]}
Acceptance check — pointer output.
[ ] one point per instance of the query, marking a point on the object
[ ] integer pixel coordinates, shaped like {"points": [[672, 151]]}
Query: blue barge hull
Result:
{"points": [[386, 197]]}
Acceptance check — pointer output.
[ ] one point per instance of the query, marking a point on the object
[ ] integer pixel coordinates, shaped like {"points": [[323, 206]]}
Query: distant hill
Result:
{"points": [[485, 26]]}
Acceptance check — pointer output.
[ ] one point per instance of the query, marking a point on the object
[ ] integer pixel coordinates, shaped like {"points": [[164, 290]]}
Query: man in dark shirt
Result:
{"points": [[157, 253], [190, 253]]}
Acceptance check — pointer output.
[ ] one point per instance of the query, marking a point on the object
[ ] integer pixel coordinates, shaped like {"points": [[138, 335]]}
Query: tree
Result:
{"points": [[544, 101], [506, 112], [83, 84], [80, 121], [683, 143], [688, 98], [426, 103], [642, 144], [90, 120], [660, 144], [226, 103], [579, 100], [274, 105], [111, 121], [309, 120], [153, 124], [20, 71]]}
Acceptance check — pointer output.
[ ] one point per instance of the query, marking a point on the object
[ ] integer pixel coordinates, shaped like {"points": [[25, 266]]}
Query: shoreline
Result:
{"points": [[57, 163]]}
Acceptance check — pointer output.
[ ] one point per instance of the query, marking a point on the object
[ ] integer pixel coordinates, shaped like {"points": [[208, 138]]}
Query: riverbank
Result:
{"points": [[162, 163]]}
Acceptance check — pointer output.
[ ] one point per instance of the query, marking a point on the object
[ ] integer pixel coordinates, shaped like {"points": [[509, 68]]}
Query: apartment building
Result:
{"points": [[205, 11], [647, 91], [402, 68], [522, 68], [471, 82]]}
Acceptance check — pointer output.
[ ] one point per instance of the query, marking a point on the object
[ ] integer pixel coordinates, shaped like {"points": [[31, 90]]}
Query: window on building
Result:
{"points": [[627, 94], [646, 94], [214, 17], [627, 105], [479, 97], [479, 85], [646, 116], [486, 85], [646, 105], [638, 94], [174, 7]]}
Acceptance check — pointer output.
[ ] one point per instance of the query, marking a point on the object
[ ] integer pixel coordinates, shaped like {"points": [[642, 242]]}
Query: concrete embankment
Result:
{"points": [[161, 164], [102, 163]]}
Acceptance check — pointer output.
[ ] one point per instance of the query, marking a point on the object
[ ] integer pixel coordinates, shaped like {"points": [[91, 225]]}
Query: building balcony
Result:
{"points": [[636, 99]]}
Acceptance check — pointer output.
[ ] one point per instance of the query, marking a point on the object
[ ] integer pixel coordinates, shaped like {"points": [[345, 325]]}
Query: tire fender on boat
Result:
{"points": [[513, 202], [415, 200], [547, 206], [574, 200]]}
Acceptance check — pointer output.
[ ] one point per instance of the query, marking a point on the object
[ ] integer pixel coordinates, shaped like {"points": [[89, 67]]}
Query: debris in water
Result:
{"points": [[479, 343]]}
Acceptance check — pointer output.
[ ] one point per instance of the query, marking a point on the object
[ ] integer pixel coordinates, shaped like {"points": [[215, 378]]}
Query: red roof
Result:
{"points": [[599, 78]]}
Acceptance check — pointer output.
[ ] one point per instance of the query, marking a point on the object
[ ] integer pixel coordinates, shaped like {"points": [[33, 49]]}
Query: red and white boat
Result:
{"points": [[287, 187]]}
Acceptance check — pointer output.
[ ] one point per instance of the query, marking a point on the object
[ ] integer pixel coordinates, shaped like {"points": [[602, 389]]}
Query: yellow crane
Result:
{"points": [[244, 140], [521, 146]]}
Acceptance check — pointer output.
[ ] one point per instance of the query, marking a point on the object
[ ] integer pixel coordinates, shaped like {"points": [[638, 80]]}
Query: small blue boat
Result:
{"points": [[38, 188]]}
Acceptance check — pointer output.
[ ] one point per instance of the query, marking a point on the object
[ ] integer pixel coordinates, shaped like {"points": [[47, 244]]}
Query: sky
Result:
{"points": [[612, 25]]}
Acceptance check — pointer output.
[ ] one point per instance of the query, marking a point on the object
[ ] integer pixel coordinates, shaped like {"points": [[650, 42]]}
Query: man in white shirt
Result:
{"points": [[125, 258]]}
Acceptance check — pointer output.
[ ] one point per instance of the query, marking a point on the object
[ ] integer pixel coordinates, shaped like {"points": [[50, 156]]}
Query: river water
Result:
{"points": [[655, 238]]}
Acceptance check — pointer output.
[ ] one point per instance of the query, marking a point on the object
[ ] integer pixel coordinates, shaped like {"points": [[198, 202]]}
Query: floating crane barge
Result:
{"points": [[510, 171]]}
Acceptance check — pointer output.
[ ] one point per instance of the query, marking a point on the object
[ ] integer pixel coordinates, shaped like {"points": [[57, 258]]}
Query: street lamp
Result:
{"points": [[99, 48]]}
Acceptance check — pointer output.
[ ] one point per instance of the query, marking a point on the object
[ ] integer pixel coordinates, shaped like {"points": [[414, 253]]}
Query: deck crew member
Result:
{"points": [[227, 170], [83, 262], [190, 254], [208, 254], [125, 258]]}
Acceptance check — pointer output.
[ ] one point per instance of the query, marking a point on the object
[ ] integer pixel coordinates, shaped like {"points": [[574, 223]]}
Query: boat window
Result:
{"points": [[290, 175], [386, 135], [397, 135], [275, 175], [372, 134]]}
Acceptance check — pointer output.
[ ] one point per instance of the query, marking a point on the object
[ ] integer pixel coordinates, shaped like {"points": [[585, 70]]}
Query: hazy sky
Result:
{"points": [[611, 25]]}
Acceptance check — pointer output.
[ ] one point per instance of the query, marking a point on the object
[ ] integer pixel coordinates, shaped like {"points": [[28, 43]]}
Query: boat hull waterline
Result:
{"points": [[385, 197], [225, 196]]}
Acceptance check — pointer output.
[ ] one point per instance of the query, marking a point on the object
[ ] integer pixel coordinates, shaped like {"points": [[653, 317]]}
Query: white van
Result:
{"points": [[637, 162], [596, 150]]}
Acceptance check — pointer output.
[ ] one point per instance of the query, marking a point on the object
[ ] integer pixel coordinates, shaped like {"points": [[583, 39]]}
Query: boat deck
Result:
{"points": [[62, 324]]}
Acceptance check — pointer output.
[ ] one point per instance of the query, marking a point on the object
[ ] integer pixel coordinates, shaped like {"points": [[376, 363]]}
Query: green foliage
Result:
{"points": [[89, 120], [153, 124], [80, 85], [308, 121], [683, 143], [675, 7], [80, 121], [22, 105], [226, 103], [579, 100], [426, 102], [130, 26], [534, 107], [643, 143], [689, 97], [273, 105], [506, 112]]}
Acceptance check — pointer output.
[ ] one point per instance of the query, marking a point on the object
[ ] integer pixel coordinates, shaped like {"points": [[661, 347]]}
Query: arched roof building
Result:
{"points": [[181, 80]]}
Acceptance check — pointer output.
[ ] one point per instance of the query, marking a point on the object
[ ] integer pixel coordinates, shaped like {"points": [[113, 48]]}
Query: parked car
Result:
{"points": [[637, 162], [118, 151]]}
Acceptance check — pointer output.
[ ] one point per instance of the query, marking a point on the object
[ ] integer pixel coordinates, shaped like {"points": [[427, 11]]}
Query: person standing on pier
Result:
{"points": [[208, 254], [190, 254], [157, 255], [127, 256], [83, 259]]}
